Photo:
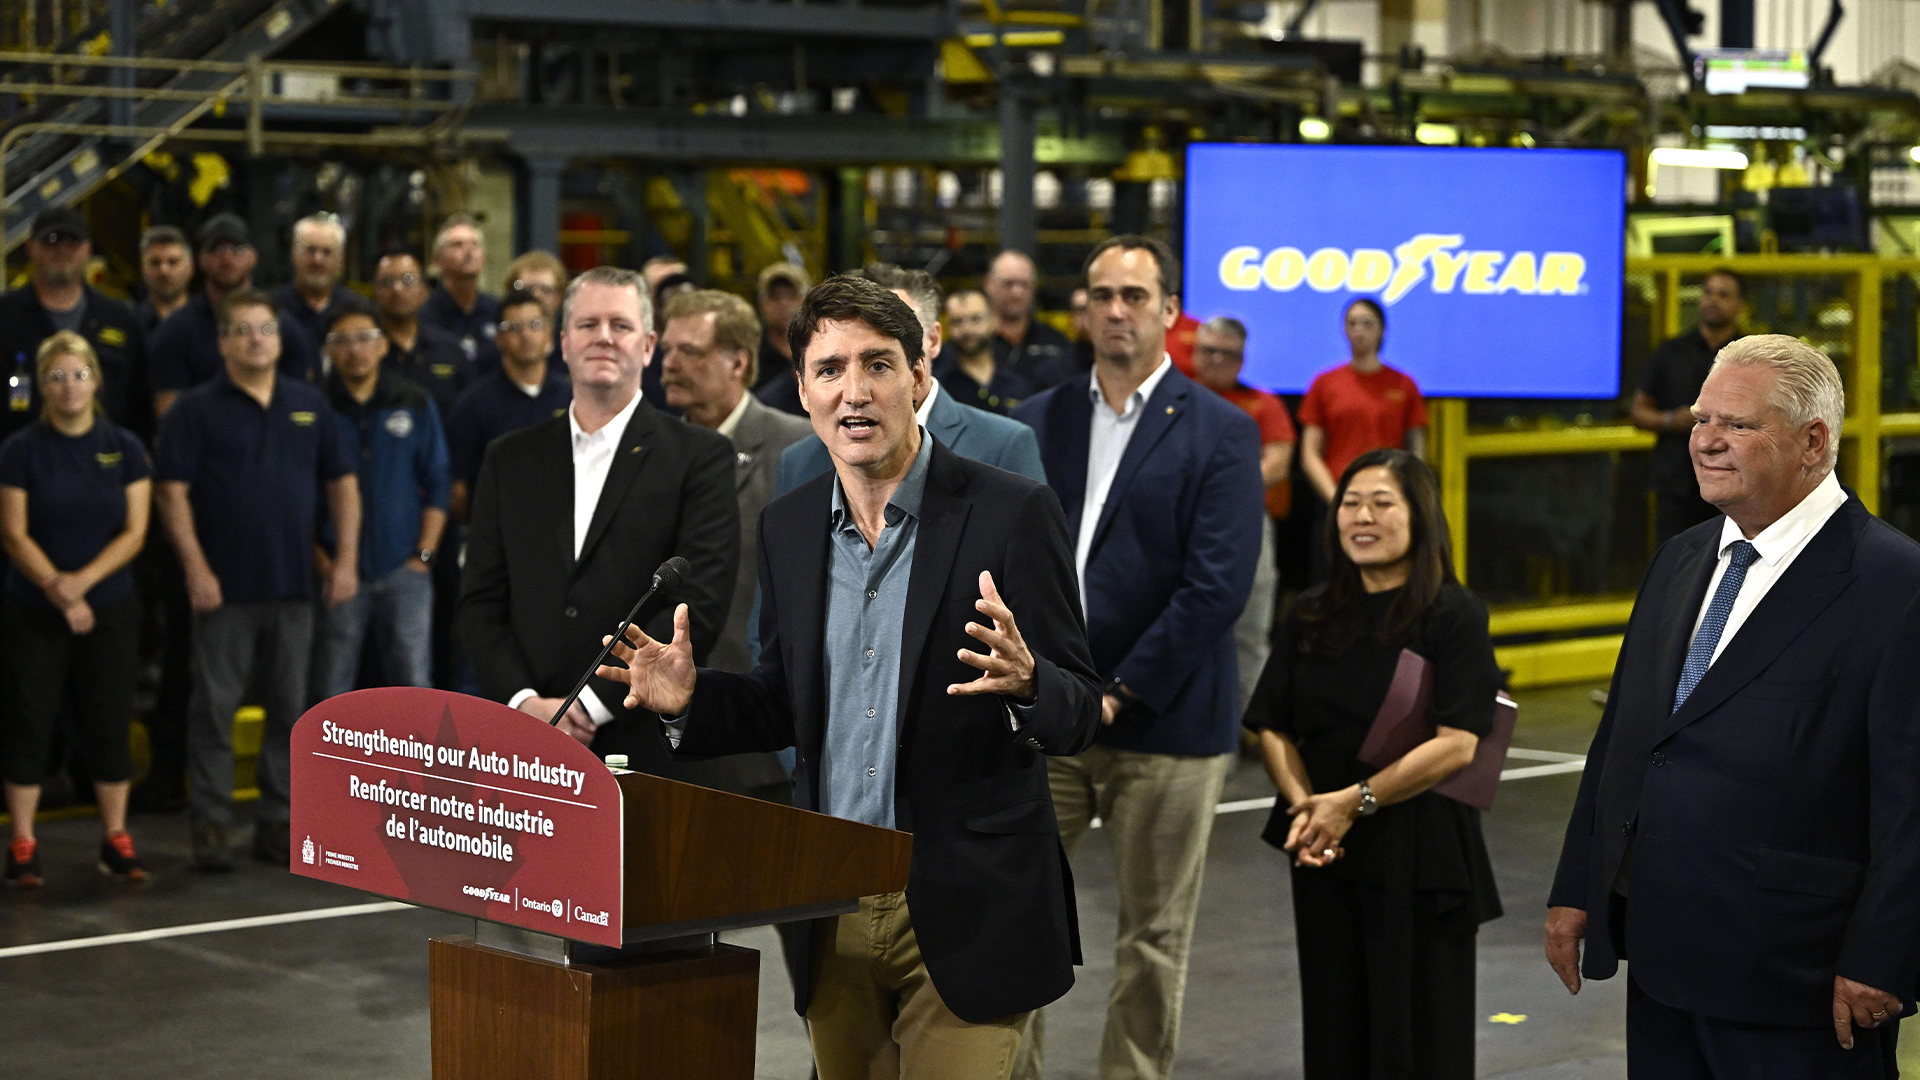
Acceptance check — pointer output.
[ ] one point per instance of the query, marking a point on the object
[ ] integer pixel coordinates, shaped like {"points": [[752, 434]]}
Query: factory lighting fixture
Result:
{"points": [[1314, 129], [1684, 158]]}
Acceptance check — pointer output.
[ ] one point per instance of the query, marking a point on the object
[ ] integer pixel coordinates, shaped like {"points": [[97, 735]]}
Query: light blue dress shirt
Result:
{"points": [[866, 605]]}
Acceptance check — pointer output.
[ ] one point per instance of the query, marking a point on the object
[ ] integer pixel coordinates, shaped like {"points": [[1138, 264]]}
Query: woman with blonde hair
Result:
{"points": [[74, 496]]}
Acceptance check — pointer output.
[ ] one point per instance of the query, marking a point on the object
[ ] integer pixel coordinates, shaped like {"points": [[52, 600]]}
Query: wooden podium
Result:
{"points": [[597, 896]]}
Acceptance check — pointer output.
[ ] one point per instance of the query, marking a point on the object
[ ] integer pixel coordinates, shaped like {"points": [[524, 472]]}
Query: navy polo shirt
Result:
{"points": [[402, 451], [436, 362], [472, 329], [76, 499], [185, 351], [255, 477], [494, 406], [294, 308]]}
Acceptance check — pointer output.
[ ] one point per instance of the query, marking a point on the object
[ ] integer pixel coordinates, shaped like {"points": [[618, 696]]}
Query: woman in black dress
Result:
{"points": [[1390, 881]]}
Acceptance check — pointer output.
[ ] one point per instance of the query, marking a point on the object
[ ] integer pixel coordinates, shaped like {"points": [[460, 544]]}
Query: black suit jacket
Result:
{"points": [[1775, 818], [531, 616], [990, 893]]}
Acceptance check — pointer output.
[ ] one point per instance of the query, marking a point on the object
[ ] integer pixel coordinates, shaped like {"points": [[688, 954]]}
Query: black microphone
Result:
{"points": [[665, 581]]}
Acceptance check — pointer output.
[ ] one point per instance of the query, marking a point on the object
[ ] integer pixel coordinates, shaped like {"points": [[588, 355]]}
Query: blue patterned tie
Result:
{"points": [[1700, 653]]}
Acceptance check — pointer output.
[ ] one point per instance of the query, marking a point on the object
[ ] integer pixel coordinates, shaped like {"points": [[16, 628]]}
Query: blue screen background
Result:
{"points": [[1454, 345]]}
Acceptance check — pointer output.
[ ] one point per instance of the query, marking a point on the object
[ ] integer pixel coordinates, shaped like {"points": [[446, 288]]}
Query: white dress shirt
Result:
{"points": [[1777, 546], [592, 460], [1111, 433], [920, 414], [732, 423]]}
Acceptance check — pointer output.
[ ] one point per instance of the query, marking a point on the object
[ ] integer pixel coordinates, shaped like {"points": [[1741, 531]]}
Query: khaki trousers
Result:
{"points": [[1159, 809], [875, 1014]]}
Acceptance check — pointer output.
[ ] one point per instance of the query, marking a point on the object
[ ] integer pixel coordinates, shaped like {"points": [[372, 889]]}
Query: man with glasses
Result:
{"points": [[59, 298], [522, 393], [185, 351], [1023, 344], [319, 257], [457, 306], [241, 465], [544, 276], [393, 428], [417, 349], [1219, 354]]}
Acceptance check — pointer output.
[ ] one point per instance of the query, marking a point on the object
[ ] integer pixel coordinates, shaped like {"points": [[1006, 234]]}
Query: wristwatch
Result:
{"points": [[1368, 804], [425, 555]]}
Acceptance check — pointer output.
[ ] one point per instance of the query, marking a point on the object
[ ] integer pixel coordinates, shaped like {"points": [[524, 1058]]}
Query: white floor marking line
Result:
{"points": [[1561, 763], [1543, 770], [191, 929], [1543, 755]]}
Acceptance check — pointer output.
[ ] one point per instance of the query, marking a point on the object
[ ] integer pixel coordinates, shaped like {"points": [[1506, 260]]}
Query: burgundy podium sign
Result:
{"points": [[457, 803]]}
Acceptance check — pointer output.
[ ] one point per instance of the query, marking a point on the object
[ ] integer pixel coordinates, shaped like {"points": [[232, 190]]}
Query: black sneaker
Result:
{"points": [[271, 844], [23, 864], [117, 858], [210, 852]]}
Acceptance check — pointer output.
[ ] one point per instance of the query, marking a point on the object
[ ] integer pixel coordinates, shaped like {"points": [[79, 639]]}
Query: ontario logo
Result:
{"points": [[1436, 258]]}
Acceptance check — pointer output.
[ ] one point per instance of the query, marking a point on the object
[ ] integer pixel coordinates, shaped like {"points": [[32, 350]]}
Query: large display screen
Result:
{"points": [[1500, 271]]}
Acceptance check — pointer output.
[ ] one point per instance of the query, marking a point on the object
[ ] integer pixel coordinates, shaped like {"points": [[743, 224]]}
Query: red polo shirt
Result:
{"points": [[1362, 412]]}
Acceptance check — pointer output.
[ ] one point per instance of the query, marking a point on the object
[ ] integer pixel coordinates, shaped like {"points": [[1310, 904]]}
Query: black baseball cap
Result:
{"points": [[225, 229], [57, 223]]}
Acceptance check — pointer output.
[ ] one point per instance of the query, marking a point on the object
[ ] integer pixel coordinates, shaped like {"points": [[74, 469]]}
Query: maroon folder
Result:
{"points": [[1403, 723]]}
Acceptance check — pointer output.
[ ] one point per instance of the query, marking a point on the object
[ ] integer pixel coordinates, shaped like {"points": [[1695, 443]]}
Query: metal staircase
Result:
{"points": [[195, 59]]}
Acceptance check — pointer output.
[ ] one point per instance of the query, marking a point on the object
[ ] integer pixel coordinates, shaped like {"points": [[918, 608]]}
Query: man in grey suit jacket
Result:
{"points": [[707, 362]]}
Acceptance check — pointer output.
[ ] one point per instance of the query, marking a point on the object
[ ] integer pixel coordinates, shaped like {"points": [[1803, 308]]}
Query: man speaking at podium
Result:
{"points": [[565, 514], [922, 648]]}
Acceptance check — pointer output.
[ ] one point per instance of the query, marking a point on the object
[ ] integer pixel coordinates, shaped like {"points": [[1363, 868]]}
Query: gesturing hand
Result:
{"points": [[659, 677], [1008, 667], [1859, 1005]]}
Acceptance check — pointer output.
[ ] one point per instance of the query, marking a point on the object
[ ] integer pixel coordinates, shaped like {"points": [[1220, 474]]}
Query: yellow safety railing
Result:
{"points": [[1586, 639]]}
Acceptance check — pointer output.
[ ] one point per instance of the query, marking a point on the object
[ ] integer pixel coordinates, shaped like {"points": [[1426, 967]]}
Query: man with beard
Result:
{"points": [[319, 256], [166, 268], [59, 298], [185, 351], [522, 393], [418, 349], [968, 371]]}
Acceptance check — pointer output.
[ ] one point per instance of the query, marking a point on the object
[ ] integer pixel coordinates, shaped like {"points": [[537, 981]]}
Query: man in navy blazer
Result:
{"points": [[1747, 831], [1160, 481], [963, 429], [924, 651]]}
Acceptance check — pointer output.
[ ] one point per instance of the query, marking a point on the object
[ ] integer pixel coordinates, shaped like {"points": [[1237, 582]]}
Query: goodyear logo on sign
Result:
{"points": [[1438, 260], [1500, 271]]}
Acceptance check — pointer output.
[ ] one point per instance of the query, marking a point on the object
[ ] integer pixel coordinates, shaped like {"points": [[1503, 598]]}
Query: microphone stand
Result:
{"points": [[659, 582]]}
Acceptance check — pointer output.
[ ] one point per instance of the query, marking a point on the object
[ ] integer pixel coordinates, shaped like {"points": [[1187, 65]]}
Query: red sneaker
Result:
{"points": [[23, 864], [118, 859]]}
